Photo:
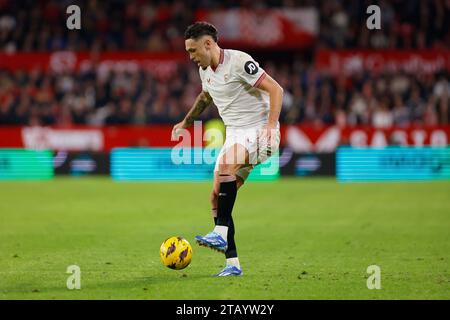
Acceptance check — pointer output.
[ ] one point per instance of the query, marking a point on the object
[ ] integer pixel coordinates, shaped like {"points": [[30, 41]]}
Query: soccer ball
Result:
{"points": [[176, 253]]}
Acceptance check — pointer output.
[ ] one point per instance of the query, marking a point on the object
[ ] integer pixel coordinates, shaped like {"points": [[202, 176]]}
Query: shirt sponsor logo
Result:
{"points": [[250, 67]]}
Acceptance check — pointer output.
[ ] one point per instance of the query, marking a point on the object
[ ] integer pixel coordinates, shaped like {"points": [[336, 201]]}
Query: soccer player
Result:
{"points": [[249, 102]]}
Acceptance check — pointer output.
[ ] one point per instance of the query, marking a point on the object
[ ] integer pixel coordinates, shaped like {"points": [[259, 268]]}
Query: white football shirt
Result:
{"points": [[232, 86]]}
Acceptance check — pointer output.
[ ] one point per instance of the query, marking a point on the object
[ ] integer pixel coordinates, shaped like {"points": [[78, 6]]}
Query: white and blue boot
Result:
{"points": [[229, 271], [214, 241]]}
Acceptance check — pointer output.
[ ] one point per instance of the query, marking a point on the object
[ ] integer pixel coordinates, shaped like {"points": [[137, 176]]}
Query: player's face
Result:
{"points": [[199, 51]]}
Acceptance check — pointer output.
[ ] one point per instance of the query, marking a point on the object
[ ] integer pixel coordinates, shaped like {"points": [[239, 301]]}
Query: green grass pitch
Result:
{"points": [[296, 238]]}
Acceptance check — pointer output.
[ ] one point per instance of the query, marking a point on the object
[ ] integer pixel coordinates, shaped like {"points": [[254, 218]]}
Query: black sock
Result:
{"points": [[226, 198], [231, 251]]}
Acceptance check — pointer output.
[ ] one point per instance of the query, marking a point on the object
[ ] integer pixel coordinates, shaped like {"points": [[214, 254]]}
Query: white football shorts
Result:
{"points": [[259, 149]]}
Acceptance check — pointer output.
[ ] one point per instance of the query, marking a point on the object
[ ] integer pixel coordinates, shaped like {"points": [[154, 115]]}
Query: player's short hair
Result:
{"points": [[201, 28]]}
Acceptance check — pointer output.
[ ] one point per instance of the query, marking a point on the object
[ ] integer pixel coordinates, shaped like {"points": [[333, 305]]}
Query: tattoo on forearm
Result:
{"points": [[200, 105]]}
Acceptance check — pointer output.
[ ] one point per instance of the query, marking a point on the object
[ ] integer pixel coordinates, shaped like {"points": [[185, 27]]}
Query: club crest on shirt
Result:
{"points": [[208, 80]]}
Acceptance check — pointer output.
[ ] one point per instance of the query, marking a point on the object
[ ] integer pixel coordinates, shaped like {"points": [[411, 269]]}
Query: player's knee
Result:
{"points": [[227, 169]]}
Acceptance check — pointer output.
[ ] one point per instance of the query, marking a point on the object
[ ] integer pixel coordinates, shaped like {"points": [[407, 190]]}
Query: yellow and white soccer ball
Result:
{"points": [[176, 253]]}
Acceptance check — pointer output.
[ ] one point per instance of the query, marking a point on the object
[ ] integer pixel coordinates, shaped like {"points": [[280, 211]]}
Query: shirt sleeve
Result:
{"points": [[248, 70], [200, 72]]}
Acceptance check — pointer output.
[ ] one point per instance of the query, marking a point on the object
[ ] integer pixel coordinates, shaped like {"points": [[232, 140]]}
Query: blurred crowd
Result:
{"points": [[125, 97], [39, 98], [379, 100], [40, 25]]}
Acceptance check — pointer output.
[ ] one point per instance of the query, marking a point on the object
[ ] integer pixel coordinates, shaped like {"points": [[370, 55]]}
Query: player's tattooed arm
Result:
{"points": [[202, 101]]}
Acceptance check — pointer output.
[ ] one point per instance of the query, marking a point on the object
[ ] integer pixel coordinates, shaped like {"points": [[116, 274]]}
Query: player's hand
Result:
{"points": [[177, 130], [268, 130]]}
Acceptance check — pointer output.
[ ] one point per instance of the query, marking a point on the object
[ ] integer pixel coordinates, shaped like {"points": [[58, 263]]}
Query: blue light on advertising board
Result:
{"points": [[392, 163], [157, 164], [307, 164], [174, 164], [23, 164]]}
